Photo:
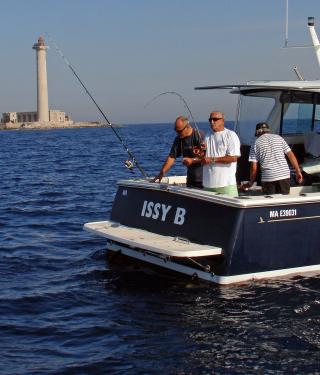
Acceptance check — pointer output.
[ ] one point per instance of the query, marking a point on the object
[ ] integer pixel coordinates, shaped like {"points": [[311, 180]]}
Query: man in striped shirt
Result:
{"points": [[270, 150]]}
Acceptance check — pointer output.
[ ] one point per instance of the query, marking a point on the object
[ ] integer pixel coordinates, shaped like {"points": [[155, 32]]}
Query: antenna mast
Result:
{"points": [[286, 40], [314, 37]]}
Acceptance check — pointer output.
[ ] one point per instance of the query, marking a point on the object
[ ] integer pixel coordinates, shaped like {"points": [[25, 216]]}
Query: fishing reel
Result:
{"points": [[129, 164], [199, 151]]}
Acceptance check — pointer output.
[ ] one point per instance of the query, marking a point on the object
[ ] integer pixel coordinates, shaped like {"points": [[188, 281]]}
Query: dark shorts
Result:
{"points": [[194, 177], [194, 184], [276, 187]]}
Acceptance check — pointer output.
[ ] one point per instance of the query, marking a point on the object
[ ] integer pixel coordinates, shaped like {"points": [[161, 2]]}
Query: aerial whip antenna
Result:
{"points": [[299, 75], [129, 163]]}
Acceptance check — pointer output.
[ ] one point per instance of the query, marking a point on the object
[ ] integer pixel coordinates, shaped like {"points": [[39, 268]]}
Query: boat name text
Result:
{"points": [[159, 211], [283, 213]]}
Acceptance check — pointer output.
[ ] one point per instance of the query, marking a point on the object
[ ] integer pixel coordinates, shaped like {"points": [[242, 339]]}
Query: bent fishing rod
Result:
{"points": [[129, 164], [181, 98], [198, 151]]}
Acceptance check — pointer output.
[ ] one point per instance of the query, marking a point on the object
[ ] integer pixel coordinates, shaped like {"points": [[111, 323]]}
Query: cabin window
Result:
{"points": [[317, 119], [297, 118], [253, 109]]}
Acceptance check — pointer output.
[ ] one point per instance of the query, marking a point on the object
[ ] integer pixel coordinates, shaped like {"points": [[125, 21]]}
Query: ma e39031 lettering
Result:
{"points": [[283, 213]]}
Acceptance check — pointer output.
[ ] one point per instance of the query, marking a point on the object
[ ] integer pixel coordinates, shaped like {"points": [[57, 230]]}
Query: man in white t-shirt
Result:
{"points": [[222, 153]]}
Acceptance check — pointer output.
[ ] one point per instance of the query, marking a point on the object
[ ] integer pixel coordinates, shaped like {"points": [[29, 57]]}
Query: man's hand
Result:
{"points": [[187, 161], [299, 177], [207, 160], [245, 186], [158, 178]]}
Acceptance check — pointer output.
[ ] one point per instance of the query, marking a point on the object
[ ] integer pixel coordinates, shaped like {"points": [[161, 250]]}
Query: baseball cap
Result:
{"points": [[261, 128]]}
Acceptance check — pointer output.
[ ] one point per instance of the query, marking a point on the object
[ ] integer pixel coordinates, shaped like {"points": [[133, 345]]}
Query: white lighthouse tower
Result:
{"points": [[42, 84]]}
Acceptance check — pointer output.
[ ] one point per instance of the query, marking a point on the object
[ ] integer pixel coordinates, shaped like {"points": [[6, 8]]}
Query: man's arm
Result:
{"points": [[253, 172], [253, 175], [191, 161], [165, 168], [232, 152], [227, 159], [294, 162]]}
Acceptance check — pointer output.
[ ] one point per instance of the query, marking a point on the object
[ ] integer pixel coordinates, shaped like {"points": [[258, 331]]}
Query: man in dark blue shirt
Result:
{"points": [[184, 145]]}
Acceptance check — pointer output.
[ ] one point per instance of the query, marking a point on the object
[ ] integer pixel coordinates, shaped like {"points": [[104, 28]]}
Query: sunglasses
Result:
{"points": [[181, 130], [214, 119]]}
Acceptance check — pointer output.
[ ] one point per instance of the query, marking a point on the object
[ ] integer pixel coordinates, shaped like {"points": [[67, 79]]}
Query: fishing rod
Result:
{"points": [[128, 164], [181, 98], [198, 151]]}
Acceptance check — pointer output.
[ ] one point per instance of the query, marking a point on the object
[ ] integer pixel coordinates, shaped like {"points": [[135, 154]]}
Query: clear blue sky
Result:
{"points": [[128, 51]]}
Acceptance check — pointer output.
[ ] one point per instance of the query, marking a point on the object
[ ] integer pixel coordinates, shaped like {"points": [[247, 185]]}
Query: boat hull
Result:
{"points": [[260, 237], [196, 273]]}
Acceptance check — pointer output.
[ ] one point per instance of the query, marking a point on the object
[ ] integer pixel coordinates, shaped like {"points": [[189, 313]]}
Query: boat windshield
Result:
{"points": [[287, 113], [300, 114], [252, 109]]}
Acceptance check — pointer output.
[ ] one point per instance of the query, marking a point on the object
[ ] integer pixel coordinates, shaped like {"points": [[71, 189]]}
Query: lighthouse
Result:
{"points": [[42, 83]]}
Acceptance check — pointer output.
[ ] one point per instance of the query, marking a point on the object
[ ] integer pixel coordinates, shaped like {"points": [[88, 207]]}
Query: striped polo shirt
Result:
{"points": [[269, 150]]}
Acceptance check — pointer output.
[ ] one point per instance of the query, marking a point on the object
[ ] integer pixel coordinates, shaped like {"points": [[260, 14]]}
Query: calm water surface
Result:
{"points": [[65, 310]]}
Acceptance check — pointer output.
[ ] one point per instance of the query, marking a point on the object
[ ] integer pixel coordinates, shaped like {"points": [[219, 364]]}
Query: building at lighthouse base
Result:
{"points": [[17, 120], [55, 116]]}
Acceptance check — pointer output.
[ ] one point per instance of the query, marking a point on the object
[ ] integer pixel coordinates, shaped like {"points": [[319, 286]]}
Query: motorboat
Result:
{"points": [[225, 239]]}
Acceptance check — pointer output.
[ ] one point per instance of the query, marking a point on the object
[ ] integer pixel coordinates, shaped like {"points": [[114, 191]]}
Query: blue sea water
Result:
{"points": [[65, 310]]}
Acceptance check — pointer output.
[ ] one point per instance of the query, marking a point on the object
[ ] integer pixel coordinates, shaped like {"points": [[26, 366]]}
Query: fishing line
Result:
{"points": [[129, 164]]}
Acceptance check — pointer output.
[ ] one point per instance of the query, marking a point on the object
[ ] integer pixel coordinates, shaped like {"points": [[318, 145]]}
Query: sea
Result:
{"points": [[64, 309]]}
